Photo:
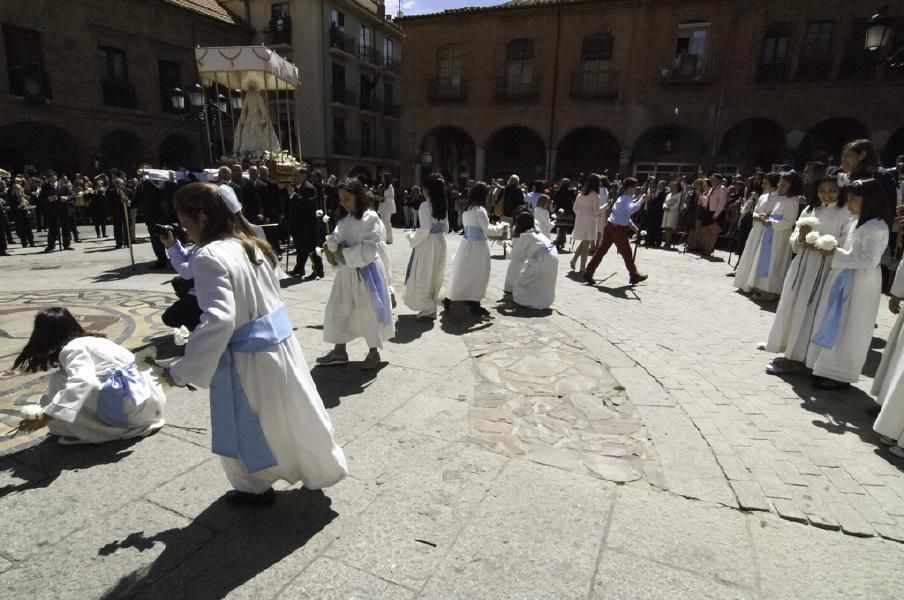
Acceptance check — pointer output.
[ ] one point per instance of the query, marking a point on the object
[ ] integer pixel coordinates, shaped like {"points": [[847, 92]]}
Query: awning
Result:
{"points": [[236, 67]]}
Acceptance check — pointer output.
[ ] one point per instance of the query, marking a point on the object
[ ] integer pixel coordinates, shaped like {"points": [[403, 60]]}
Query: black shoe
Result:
{"points": [[68, 248], [588, 278], [823, 383], [447, 304], [118, 246], [48, 250], [237, 498], [159, 265], [477, 309], [4, 253], [635, 279], [310, 277]]}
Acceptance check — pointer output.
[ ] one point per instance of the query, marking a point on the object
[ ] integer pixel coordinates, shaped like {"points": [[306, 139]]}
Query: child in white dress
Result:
{"points": [[542, 219], [427, 264], [532, 272], [98, 394], [360, 304]]}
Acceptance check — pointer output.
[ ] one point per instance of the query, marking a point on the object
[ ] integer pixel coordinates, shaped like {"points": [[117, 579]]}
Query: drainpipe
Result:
{"points": [[327, 97], [551, 152]]}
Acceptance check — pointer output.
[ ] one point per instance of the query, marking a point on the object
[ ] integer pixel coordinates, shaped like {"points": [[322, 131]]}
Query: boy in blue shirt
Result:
{"points": [[618, 230]]}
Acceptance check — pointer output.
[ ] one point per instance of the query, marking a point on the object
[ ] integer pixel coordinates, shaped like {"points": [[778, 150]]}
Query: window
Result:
{"points": [[25, 63], [280, 24], [519, 63], [280, 9], [367, 92], [596, 58], [388, 51], [170, 75], [857, 63], [340, 142], [387, 143], [366, 43], [448, 65], [338, 83], [337, 19], [773, 65], [387, 94], [114, 77], [366, 139], [816, 57], [690, 50]]}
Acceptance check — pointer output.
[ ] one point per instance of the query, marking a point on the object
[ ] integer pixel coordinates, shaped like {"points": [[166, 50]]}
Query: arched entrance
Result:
{"points": [[40, 145], [753, 143], [177, 151], [825, 140], [515, 150], [452, 152], [667, 152], [894, 147], [122, 149], [587, 150]]}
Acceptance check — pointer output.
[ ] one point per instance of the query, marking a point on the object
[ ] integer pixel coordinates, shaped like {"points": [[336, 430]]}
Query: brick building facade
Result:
{"points": [[86, 84], [549, 88]]}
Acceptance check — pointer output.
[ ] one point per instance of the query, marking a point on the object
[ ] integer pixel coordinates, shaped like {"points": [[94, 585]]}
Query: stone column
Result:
{"points": [[624, 162], [550, 164], [480, 160]]}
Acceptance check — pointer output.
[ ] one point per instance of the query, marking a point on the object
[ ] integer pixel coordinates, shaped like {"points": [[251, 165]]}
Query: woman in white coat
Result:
{"points": [[587, 207], [98, 394], [268, 422], [427, 264], [470, 272], [850, 300], [533, 270], [888, 386], [671, 212], [804, 283], [767, 254], [387, 206], [360, 304]]}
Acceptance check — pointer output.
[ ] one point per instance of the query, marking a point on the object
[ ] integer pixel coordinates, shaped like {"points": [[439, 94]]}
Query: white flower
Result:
{"points": [[32, 411], [826, 242], [643, 233], [812, 237], [811, 222], [561, 211], [326, 219], [332, 244], [319, 213], [180, 335]]}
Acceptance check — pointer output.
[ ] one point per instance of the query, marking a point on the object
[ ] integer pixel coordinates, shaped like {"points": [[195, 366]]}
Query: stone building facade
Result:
{"points": [[348, 54], [551, 88], [86, 84]]}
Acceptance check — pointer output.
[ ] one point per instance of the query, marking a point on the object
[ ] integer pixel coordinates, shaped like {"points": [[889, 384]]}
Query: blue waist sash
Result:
{"points": [[474, 233], [379, 292], [438, 228], [543, 250], [235, 429], [121, 384], [831, 321], [762, 266]]}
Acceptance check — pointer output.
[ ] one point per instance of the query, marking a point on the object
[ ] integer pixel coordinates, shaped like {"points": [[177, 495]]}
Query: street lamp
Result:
{"points": [[237, 100], [177, 98], [878, 30], [196, 95], [221, 102]]}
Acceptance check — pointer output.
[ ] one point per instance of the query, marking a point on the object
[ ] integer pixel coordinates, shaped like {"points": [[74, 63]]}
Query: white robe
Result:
{"points": [[350, 313], [586, 208], [470, 271], [427, 265], [386, 209], [888, 386], [804, 284], [542, 221], [670, 211], [746, 278], [85, 363], [862, 252], [532, 272], [231, 292], [602, 214]]}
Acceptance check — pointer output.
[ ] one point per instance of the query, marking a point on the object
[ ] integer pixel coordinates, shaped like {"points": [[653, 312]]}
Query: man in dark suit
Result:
{"points": [[251, 204], [304, 225], [56, 213], [267, 192], [152, 197]]}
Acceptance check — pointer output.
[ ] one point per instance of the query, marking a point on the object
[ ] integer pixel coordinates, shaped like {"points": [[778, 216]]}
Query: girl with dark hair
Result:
{"points": [[767, 253], [850, 299], [888, 386], [804, 283], [427, 264], [387, 204], [533, 267], [587, 207], [268, 422], [360, 304], [470, 272], [97, 394]]}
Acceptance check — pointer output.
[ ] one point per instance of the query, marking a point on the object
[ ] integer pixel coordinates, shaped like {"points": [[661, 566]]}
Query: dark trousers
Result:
{"points": [[301, 259], [119, 231], [40, 217], [56, 224], [157, 245], [185, 311], [618, 235], [26, 235], [272, 234], [72, 224]]}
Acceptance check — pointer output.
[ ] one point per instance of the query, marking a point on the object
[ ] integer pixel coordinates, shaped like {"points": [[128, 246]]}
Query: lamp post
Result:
{"points": [[196, 110], [878, 39]]}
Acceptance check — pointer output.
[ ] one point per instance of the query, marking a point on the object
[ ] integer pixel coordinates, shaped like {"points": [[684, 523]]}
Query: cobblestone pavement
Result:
{"points": [[626, 444]]}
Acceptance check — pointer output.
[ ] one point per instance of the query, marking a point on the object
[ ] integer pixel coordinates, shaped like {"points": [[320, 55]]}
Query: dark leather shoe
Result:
{"points": [[237, 498], [588, 278], [635, 279]]}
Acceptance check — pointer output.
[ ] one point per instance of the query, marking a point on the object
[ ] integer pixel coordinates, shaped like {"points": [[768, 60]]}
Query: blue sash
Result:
{"points": [[439, 227], [762, 267], [831, 321], [543, 250], [235, 428], [379, 292], [121, 384], [473, 233]]}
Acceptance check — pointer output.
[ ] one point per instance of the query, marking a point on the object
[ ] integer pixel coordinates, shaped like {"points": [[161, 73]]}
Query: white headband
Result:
{"points": [[227, 195]]}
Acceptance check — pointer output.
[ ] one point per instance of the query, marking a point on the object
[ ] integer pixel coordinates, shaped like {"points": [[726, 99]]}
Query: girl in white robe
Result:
{"points": [[268, 421], [470, 271], [850, 300], [888, 386], [98, 394], [767, 254], [533, 270], [804, 283], [542, 220], [427, 264], [360, 304], [387, 206]]}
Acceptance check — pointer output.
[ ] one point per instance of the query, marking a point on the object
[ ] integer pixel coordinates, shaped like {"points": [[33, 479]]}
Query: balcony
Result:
{"points": [[773, 73], [343, 147], [392, 110], [118, 93], [371, 103], [280, 32], [392, 66], [516, 90], [370, 56], [342, 42], [447, 90], [597, 85], [344, 97], [690, 68]]}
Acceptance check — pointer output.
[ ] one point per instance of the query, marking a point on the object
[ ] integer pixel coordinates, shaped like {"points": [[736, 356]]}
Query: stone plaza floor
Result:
{"points": [[626, 444]]}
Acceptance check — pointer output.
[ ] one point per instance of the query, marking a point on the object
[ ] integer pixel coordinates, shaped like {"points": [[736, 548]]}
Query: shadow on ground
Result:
{"points": [[337, 382], [410, 328], [201, 564]]}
